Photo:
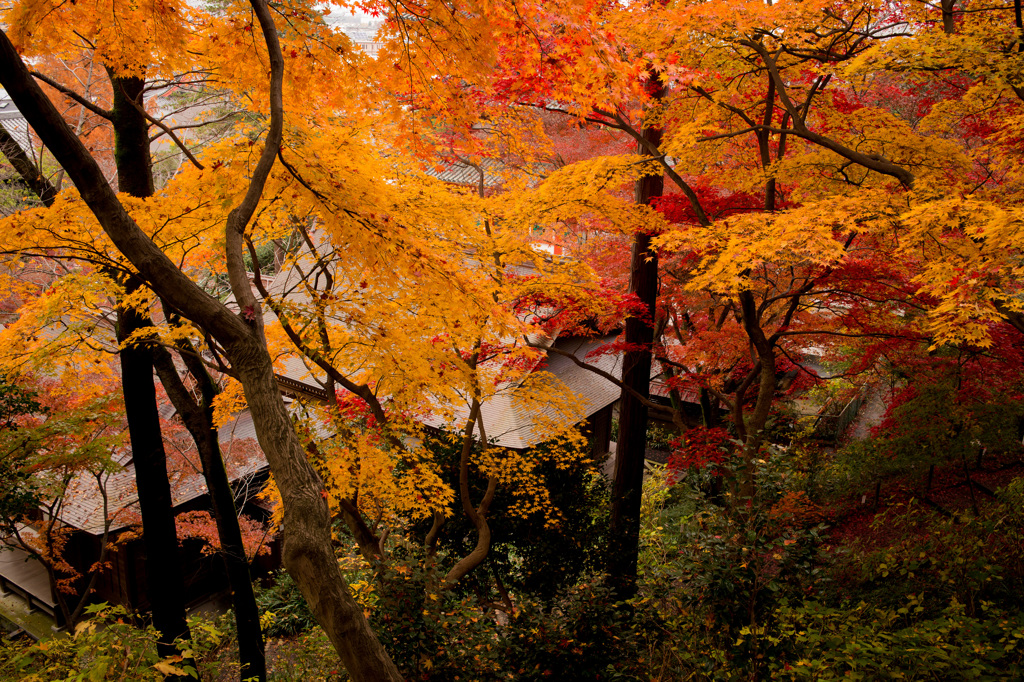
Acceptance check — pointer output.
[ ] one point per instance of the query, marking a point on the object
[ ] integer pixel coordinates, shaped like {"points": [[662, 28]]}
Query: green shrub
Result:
{"points": [[735, 563], [865, 643], [914, 550], [443, 635], [306, 657], [431, 634], [582, 635], [110, 645], [283, 609]]}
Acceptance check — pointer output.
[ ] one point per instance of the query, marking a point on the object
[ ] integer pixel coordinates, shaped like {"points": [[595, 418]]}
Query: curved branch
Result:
{"points": [[361, 390], [599, 372], [477, 516], [652, 149], [240, 216], [872, 162]]}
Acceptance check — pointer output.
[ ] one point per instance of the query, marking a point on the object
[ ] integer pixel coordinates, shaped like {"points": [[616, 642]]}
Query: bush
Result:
{"points": [[434, 634], [111, 645], [431, 634], [934, 421], [865, 643], [283, 609], [582, 635], [736, 563]]}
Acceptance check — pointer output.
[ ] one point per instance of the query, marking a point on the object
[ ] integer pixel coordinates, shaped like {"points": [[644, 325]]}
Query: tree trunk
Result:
{"points": [[627, 485], [30, 174], [948, 20], [165, 587], [198, 419], [768, 381], [308, 552], [131, 137], [477, 516]]}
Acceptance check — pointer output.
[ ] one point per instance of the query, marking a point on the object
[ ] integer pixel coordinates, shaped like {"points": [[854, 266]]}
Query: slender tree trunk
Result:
{"points": [[768, 382], [948, 20], [627, 484], [198, 419], [165, 586], [478, 515], [30, 174], [131, 137]]}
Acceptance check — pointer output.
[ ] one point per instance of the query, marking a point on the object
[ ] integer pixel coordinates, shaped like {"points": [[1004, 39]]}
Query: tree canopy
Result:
{"points": [[794, 179]]}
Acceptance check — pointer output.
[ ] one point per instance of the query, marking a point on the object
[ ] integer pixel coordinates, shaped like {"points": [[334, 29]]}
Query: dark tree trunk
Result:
{"points": [[948, 20], [627, 485], [198, 419], [767, 376], [165, 586], [30, 174], [131, 137]]}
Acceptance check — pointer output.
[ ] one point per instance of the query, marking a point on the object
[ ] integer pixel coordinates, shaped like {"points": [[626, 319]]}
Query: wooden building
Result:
{"points": [[124, 580]]}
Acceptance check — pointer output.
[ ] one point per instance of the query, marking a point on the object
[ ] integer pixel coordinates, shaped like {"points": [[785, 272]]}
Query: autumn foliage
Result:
{"points": [[841, 217]]}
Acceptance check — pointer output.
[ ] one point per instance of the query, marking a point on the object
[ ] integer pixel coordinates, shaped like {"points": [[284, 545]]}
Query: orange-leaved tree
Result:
{"points": [[307, 548]]}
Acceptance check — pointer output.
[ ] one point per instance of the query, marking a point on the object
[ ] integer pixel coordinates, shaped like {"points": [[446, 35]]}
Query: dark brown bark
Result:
{"points": [[796, 115], [198, 419], [627, 484], [477, 515], [370, 546], [131, 137], [948, 20], [308, 552], [165, 587], [768, 381], [30, 174], [430, 541]]}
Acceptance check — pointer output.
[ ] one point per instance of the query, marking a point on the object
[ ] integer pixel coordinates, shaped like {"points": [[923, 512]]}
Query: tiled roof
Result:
{"points": [[11, 117], [15, 124], [465, 174], [83, 506], [511, 424]]}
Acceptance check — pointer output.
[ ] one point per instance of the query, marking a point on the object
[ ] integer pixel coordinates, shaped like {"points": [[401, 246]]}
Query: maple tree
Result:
{"points": [[54, 450], [795, 139], [123, 110], [64, 331], [836, 175], [307, 549], [469, 337], [399, 356], [133, 166]]}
